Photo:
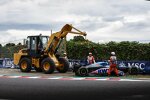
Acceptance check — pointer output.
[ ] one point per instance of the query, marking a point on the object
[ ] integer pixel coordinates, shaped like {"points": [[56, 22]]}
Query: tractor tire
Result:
{"points": [[38, 69], [48, 66], [65, 65], [25, 65], [83, 71]]}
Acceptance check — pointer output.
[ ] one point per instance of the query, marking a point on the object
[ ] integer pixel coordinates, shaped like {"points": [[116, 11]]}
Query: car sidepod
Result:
{"points": [[104, 72]]}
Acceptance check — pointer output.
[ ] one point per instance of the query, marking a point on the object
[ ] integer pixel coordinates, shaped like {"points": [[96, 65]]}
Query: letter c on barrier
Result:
{"points": [[142, 65]]}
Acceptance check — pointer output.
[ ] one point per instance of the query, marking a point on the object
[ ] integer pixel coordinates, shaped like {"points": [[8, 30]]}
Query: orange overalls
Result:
{"points": [[113, 65]]}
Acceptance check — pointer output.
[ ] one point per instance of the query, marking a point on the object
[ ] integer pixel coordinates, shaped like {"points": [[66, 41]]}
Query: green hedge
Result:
{"points": [[125, 50], [78, 48]]}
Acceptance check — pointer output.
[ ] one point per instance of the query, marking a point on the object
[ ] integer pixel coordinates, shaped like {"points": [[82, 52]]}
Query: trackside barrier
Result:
{"points": [[138, 64], [8, 63]]}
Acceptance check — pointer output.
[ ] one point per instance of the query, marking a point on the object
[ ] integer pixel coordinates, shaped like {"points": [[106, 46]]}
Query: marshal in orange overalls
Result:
{"points": [[113, 65]]}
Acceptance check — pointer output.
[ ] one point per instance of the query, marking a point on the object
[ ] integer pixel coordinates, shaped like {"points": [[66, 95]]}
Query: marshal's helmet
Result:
{"points": [[90, 53], [113, 53]]}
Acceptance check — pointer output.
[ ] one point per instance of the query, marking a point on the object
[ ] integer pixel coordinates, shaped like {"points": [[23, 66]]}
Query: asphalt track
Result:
{"points": [[44, 89]]}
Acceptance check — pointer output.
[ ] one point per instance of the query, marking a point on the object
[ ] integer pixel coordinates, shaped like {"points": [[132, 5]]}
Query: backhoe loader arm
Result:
{"points": [[56, 38]]}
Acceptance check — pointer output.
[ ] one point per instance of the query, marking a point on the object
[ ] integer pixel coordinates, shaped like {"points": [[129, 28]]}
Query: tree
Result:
{"points": [[10, 44], [78, 38], [19, 44]]}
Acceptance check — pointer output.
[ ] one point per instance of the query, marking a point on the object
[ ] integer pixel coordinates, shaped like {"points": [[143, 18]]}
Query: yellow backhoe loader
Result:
{"points": [[41, 52]]}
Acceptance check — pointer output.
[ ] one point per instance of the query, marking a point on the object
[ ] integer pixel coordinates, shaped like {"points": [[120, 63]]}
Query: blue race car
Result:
{"points": [[99, 68]]}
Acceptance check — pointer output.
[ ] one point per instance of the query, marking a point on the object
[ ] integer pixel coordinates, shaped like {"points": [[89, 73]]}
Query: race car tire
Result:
{"points": [[83, 71], [65, 65], [133, 71]]}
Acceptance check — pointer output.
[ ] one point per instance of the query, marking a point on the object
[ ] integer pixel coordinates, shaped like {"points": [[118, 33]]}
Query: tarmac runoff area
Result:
{"points": [[16, 73]]}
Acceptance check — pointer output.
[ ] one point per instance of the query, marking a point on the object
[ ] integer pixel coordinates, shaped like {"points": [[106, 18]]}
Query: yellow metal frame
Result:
{"points": [[17, 56], [55, 38]]}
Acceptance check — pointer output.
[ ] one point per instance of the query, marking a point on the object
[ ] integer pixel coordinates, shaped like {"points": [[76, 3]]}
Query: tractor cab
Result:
{"points": [[36, 44]]}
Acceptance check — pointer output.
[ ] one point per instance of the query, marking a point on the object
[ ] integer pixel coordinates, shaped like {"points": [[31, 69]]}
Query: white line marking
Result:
{"points": [[77, 78], [13, 76], [102, 79], [130, 80], [33, 77], [54, 78]]}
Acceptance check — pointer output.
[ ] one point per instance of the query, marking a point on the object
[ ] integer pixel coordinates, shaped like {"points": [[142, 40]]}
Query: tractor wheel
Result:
{"points": [[48, 66], [83, 71], [25, 65], [38, 69], [64, 65]]}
